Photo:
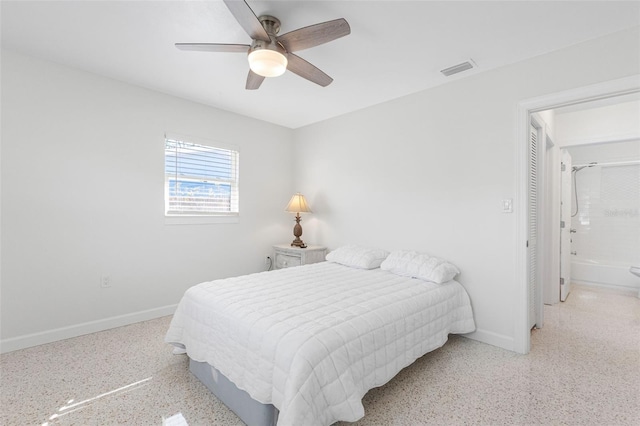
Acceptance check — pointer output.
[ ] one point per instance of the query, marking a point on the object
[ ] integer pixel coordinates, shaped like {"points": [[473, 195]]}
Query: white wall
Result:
{"points": [[612, 152], [428, 171], [595, 125], [82, 194]]}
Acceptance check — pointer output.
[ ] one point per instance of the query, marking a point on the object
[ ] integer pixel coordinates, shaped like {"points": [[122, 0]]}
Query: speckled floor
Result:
{"points": [[584, 369]]}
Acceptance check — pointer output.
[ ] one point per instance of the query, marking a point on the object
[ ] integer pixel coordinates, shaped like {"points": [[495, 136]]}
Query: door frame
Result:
{"points": [[525, 108]]}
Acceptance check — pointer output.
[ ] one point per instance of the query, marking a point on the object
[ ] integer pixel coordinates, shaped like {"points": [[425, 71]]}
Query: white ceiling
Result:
{"points": [[132, 41]]}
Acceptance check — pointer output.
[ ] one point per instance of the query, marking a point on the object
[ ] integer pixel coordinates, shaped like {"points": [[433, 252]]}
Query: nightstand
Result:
{"points": [[287, 256]]}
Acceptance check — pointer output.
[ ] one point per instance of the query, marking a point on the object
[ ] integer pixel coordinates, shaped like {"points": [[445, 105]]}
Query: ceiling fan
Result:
{"points": [[271, 55]]}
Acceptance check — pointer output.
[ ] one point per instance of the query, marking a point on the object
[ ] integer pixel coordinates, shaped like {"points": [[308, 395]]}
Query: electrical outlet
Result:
{"points": [[267, 259], [105, 281]]}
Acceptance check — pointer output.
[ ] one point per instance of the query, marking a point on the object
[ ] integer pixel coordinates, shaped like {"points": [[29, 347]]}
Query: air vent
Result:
{"points": [[458, 68]]}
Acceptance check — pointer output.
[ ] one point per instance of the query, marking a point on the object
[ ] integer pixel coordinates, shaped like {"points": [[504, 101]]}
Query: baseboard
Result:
{"points": [[491, 338], [35, 339], [625, 289]]}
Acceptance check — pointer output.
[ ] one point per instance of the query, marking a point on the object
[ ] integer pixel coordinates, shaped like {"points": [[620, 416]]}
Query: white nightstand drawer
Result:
{"points": [[286, 261], [287, 256]]}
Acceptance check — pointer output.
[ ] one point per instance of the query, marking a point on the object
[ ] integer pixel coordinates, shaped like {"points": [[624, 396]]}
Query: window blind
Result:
{"points": [[199, 179]]}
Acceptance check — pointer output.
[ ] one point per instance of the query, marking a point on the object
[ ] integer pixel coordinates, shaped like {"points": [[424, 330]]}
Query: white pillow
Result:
{"points": [[358, 256], [418, 265]]}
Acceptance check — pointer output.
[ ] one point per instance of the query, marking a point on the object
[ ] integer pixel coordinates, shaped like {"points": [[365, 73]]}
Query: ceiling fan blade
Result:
{"points": [[247, 19], [314, 35], [304, 69], [213, 47], [253, 81]]}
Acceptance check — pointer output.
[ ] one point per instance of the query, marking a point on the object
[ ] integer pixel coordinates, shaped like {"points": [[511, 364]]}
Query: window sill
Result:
{"points": [[199, 220]]}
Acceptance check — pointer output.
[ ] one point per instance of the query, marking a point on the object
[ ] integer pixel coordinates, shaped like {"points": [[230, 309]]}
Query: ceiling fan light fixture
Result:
{"points": [[267, 63]]}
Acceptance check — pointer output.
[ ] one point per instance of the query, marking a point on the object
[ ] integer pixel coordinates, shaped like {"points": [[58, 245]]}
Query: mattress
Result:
{"points": [[313, 339]]}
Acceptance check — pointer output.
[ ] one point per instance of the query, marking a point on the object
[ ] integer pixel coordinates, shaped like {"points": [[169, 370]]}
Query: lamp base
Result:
{"points": [[297, 232], [298, 243]]}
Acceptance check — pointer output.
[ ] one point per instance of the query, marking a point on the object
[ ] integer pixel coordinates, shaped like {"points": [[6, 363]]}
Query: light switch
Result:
{"points": [[507, 206]]}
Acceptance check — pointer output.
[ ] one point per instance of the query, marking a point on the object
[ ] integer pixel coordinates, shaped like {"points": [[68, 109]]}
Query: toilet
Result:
{"points": [[635, 270]]}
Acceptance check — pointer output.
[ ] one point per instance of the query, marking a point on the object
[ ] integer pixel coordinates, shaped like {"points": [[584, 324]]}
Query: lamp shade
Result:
{"points": [[298, 204], [267, 63]]}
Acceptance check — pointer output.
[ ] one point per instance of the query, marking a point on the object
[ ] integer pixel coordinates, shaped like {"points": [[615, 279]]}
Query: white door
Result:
{"points": [[565, 225]]}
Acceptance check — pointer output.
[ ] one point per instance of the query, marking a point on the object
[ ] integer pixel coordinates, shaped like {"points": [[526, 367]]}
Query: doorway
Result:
{"points": [[526, 109], [599, 226]]}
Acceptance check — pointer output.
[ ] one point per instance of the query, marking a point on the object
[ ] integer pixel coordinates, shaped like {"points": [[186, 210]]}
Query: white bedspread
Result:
{"points": [[313, 339]]}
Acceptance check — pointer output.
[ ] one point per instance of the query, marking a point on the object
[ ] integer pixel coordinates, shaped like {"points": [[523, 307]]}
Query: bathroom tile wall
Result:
{"points": [[607, 222]]}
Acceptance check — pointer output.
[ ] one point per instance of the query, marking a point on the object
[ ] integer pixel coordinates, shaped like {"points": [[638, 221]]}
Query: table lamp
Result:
{"points": [[298, 205]]}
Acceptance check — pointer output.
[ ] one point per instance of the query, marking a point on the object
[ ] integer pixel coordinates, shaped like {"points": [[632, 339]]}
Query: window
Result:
{"points": [[199, 180]]}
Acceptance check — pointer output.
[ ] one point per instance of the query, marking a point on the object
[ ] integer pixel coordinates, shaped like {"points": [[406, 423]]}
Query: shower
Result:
{"points": [[574, 171], [605, 234]]}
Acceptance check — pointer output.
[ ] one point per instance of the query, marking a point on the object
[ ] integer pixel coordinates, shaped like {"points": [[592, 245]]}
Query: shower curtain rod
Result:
{"points": [[612, 163]]}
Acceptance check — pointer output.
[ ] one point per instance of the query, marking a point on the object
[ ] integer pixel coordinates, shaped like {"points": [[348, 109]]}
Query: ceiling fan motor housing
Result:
{"points": [[271, 24], [272, 45]]}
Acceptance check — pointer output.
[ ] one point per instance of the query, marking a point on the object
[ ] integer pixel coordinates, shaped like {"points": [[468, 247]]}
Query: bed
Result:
{"points": [[301, 346]]}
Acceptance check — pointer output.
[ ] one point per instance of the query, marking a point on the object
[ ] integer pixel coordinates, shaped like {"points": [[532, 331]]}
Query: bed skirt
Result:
{"points": [[250, 411]]}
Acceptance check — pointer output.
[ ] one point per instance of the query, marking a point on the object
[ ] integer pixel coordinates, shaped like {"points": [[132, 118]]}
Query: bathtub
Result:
{"points": [[592, 272]]}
